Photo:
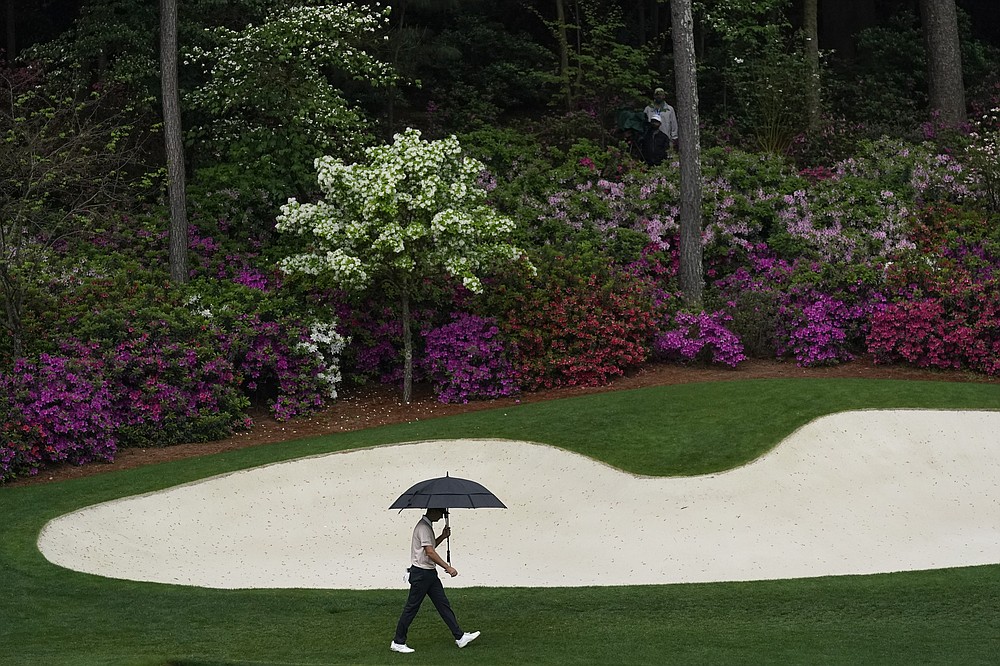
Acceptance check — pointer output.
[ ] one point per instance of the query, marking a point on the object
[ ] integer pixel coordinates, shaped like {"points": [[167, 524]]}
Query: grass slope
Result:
{"points": [[49, 615]]}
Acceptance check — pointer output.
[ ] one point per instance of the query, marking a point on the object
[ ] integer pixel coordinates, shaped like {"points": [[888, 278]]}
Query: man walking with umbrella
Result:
{"points": [[424, 581]]}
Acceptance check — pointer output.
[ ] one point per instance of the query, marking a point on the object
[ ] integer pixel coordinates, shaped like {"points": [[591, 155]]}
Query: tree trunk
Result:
{"points": [[398, 11], [407, 346], [944, 60], [563, 39], [174, 142], [13, 302], [685, 75], [810, 26]]}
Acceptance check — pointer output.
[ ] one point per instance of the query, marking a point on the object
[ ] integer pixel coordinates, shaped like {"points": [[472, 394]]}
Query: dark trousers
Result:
{"points": [[425, 583]]}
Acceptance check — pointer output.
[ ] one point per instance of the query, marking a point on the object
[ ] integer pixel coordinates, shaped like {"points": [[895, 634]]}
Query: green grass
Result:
{"points": [[50, 615]]}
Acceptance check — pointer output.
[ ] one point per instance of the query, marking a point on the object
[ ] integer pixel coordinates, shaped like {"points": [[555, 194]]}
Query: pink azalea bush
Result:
{"points": [[168, 390], [467, 360], [578, 332], [54, 409], [816, 329], [692, 336], [917, 332]]}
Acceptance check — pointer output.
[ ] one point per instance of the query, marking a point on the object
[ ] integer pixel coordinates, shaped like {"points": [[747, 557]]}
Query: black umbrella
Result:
{"points": [[448, 492]]}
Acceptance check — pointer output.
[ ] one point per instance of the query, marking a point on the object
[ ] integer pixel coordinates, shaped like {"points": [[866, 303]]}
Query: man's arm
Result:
{"points": [[438, 560]]}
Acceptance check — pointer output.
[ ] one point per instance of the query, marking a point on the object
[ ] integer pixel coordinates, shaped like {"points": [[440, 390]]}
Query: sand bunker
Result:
{"points": [[851, 493]]}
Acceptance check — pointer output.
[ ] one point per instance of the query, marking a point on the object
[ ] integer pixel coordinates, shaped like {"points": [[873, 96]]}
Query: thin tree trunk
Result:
{"points": [[685, 74], [398, 10], [578, 28], [810, 27], [655, 20], [174, 142], [563, 52], [407, 347], [944, 60], [13, 301]]}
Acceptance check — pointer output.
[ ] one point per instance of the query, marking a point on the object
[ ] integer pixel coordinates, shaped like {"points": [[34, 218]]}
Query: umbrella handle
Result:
{"points": [[446, 524]]}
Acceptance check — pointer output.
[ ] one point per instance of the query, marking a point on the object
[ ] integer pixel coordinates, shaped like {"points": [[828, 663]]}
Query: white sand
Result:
{"points": [[852, 493]]}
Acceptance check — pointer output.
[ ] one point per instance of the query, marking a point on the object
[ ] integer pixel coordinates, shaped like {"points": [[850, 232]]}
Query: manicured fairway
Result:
{"points": [[49, 615]]}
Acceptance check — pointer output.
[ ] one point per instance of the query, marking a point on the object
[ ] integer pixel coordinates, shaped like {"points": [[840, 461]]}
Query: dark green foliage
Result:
{"points": [[755, 319], [479, 71]]}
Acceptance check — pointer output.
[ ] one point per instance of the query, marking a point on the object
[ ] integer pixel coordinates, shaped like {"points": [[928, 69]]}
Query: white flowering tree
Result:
{"points": [[273, 100], [412, 210]]}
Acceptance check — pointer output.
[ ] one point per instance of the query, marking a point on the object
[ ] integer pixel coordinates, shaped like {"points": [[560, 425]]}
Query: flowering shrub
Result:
{"points": [[935, 229], [637, 203], [169, 367], [951, 315], [294, 367], [983, 154], [467, 360], [846, 219], [700, 336], [815, 329], [577, 331], [169, 390], [917, 332], [376, 350], [812, 311], [55, 409], [325, 345]]}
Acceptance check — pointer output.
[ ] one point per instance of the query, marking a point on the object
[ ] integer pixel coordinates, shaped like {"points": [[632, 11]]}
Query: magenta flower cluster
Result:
{"points": [[467, 360], [154, 389], [815, 328], [166, 391], [699, 336], [53, 410], [813, 322]]}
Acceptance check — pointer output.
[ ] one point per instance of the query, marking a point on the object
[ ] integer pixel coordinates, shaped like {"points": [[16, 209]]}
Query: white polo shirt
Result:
{"points": [[423, 535]]}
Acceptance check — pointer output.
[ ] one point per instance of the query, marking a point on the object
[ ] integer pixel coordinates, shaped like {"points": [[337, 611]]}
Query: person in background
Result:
{"points": [[654, 142], [668, 119]]}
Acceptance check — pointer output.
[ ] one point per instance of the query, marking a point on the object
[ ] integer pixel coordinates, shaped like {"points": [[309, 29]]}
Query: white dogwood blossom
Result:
{"points": [[274, 84], [413, 204], [326, 344]]}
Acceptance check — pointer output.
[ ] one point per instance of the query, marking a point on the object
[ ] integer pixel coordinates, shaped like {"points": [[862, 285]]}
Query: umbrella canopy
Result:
{"points": [[448, 492]]}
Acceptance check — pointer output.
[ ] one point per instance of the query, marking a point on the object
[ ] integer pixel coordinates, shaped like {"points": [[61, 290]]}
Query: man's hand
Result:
{"points": [[440, 561], [445, 533]]}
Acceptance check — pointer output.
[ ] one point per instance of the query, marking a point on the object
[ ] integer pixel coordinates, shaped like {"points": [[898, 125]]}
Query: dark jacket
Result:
{"points": [[654, 145]]}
